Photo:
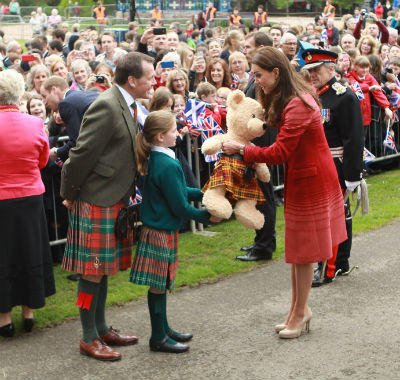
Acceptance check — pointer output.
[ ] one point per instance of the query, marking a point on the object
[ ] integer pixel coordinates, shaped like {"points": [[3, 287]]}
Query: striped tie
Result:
{"points": [[134, 107]]}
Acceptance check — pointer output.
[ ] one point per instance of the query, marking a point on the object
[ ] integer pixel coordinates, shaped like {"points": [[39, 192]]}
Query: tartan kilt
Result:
{"points": [[229, 173], [92, 248], [156, 259]]}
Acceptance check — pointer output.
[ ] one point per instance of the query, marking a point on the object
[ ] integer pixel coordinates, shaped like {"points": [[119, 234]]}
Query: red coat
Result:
{"points": [[24, 150], [365, 103], [314, 209]]}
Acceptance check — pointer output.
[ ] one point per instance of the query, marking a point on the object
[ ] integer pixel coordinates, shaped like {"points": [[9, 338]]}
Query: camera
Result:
{"points": [[99, 78], [362, 13], [159, 31], [388, 70]]}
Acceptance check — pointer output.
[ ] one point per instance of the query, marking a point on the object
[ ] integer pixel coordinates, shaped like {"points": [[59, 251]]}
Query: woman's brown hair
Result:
{"points": [[156, 122], [289, 84], [227, 79]]}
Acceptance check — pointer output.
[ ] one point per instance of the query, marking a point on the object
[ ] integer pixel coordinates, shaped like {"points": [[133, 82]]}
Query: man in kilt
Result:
{"points": [[344, 131], [97, 180]]}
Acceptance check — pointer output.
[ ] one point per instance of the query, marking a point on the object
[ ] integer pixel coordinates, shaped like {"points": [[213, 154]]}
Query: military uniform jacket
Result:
{"points": [[344, 131]]}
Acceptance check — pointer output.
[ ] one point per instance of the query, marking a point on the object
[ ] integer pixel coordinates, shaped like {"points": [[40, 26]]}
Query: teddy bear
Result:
{"points": [[233, 181]]}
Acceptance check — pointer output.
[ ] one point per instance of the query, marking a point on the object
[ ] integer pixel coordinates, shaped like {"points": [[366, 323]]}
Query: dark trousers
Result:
{"points": [[343, 255], [265, 239]]}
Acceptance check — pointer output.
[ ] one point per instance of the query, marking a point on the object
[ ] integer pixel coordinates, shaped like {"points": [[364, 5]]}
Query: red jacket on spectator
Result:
{"points": [[378, 10], [24, 150], [365, 103]]}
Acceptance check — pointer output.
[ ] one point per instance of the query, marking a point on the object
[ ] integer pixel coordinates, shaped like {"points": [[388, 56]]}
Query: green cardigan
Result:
{"points": [[166, 197]]}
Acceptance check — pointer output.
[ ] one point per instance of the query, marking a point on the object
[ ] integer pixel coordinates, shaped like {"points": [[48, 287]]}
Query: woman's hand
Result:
{"points": [[231, 147], [374, 88]]}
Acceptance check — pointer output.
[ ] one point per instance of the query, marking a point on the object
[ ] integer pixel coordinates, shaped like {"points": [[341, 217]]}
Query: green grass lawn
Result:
{"points": [[204, 258]]}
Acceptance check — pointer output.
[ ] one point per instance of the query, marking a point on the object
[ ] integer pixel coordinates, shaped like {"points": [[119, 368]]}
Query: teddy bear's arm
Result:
{"points": [[213, 144], [262, 172]]}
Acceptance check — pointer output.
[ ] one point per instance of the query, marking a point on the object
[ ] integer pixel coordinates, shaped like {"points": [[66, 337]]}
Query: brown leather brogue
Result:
{"points": [[114, 338], [99, 350]]}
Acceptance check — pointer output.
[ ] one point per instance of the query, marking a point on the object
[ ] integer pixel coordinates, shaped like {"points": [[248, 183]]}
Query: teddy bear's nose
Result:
{"points": [[265, 126]]}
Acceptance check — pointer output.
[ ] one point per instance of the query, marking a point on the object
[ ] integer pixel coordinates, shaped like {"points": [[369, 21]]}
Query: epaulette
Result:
{"points": [[339, 88]]}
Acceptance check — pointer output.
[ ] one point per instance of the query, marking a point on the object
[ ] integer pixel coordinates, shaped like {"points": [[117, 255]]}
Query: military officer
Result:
{"points": [[343, 125]]}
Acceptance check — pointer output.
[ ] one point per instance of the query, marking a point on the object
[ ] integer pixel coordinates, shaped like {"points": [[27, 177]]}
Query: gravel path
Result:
{"points": [[355, 331]]}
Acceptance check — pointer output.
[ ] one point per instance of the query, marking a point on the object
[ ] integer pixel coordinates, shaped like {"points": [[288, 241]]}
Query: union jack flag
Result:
{"points": [[137, 199], [210, 128], [194, 114], [357, 90], [368, 156], [395, 111], [389, 142], [395, 95], [324, 37]]}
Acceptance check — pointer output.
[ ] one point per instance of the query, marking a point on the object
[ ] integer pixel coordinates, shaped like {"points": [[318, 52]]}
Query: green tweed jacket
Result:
{"points": [[101, 168]]}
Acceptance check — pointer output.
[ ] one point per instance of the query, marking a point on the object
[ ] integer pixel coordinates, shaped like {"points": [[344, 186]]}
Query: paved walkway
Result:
{"points": [[355, 332]]}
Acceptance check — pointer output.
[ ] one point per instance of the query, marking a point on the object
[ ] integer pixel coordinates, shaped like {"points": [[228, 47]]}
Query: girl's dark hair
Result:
{"points": [[227, 79], [156, 122], [289, 84], [376, 66]]}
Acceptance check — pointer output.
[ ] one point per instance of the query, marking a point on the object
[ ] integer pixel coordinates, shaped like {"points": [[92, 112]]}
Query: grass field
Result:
{"points": [[204, 258]]}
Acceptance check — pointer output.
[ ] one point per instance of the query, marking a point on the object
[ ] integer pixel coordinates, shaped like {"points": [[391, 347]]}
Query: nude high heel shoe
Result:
{"points": [[290, 334], [280, 327]]}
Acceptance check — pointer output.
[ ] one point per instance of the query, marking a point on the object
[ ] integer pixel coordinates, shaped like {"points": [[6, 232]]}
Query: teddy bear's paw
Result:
{"points": [[210, 146], [248, 216], [263, 173], [216, 204]]}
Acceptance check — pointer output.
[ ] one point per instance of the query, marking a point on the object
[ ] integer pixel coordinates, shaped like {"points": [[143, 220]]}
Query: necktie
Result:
{"points": [[134, 107]]}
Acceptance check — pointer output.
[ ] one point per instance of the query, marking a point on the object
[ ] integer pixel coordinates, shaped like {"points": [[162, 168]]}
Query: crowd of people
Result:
{"points": [[121, 106]]}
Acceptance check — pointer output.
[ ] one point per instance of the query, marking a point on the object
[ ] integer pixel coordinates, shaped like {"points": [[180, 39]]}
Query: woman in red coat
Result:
{"points": [[314, 216]]}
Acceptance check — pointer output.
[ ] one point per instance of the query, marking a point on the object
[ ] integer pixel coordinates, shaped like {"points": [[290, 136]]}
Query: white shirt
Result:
{"points": [[167, 151], [128, 99]]}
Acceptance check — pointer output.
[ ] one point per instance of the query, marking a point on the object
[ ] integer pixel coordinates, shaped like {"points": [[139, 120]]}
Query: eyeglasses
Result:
{"points": [[179, 80], [290, 43]]}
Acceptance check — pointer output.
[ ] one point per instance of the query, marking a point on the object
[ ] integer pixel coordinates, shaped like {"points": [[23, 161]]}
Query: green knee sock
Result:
{"points": [[166, 326], [101, 324], [156, 310], [87, 308]]}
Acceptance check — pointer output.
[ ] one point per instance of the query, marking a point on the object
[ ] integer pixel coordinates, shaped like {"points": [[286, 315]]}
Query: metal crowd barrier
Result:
{"points": [[375, 135]]}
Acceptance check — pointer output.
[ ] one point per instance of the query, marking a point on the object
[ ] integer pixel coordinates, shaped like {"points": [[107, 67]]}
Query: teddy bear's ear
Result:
{"points": [[235, 98]]}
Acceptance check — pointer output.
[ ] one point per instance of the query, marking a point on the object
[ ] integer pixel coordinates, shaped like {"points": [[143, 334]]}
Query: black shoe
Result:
{"points": [[179, 337], [74, 277], [254, 256], [326, 280], [163, 346], [343, 269], [28, 324], [247, 248], [7, 330]]}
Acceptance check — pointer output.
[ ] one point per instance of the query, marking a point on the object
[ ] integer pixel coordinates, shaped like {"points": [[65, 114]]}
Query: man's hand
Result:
{"points": [[351, 186], [69, 204], [373, 16], [148, 33], [52, 154], [295, 62]]}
